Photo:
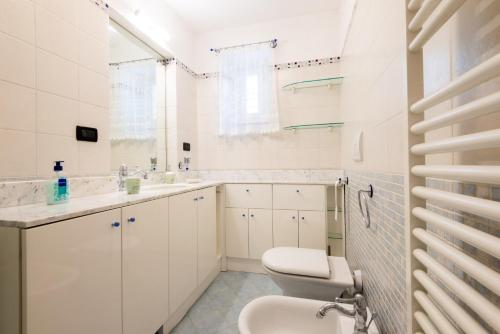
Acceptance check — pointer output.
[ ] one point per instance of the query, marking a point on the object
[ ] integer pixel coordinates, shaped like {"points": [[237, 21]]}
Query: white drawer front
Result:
{"points": [[299, 197], [255, 196]]}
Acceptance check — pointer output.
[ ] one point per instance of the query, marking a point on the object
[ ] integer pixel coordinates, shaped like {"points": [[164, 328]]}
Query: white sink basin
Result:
{"points": [[280, 315]]}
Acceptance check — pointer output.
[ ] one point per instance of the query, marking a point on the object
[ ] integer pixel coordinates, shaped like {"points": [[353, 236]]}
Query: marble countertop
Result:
{"points": [[27, 216], [318, 183]]}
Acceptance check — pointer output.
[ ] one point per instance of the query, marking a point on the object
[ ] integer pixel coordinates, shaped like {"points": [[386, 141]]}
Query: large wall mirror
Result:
{"points": [[137, 102]]}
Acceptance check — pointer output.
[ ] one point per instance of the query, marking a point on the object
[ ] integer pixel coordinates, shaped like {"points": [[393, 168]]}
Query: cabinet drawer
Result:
{"points": [[255, 196], [299, 197]]}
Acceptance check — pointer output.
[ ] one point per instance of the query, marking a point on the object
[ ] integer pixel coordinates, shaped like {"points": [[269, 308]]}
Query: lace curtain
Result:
{"points": [[247, 91], [132, 102]]}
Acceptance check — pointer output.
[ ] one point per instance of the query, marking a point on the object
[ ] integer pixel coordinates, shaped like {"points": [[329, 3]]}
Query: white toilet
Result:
{"points": [[307, 273]]}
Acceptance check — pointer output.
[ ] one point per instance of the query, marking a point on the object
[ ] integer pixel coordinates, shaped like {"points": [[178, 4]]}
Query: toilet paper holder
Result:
{"points": [[362, 194]]}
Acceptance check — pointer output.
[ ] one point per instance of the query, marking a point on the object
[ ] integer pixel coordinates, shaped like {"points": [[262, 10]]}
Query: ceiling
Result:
{"points": [[204, 15]]}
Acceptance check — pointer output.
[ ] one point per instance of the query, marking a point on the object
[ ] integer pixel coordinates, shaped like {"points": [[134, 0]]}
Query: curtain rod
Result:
{"points": [[273, 44], [134, 61]]}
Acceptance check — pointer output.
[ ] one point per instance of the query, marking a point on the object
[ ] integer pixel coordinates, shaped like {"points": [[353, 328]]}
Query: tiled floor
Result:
{"points": [[217, 310]]}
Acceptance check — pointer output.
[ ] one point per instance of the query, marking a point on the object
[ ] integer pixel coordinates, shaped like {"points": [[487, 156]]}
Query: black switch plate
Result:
{"points": [[84, 133], [186, 147]]}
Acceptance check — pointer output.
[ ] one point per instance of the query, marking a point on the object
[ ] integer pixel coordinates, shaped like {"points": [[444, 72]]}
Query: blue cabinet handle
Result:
{"points": [[131, 220], [115, 224]]}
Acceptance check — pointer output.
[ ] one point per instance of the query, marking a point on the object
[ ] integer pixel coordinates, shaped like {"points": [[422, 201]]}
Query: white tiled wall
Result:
{"points": [[303, 149], [182, 117], [373, 95], [53, 76]]}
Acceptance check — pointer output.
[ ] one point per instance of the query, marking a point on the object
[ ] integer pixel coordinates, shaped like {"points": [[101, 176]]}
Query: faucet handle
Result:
{"points": [[359, 300]]}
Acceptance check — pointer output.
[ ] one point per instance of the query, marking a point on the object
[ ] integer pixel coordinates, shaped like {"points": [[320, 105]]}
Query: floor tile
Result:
{"points": [[218, 309]]}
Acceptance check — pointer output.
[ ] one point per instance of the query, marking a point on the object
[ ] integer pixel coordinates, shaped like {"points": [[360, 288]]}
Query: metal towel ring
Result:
{"points": [[362, 193]]}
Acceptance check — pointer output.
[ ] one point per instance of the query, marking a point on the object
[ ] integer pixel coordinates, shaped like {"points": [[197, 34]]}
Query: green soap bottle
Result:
{"points": [[58, 188]]}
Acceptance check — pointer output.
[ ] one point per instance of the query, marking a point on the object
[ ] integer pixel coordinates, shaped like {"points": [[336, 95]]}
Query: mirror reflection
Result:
{"points": [[137, 103]]}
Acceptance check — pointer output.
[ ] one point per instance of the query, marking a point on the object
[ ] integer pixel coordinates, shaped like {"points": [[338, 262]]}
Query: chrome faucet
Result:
{"points": [[144, 173], [359, 313], [122, 174]]}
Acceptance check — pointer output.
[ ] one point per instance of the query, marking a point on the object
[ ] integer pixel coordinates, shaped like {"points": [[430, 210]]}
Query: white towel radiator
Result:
{"points": [[431, 308]]}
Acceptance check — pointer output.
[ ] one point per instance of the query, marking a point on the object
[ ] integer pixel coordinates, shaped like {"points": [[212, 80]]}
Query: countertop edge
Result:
{"points": [[31, 222]]}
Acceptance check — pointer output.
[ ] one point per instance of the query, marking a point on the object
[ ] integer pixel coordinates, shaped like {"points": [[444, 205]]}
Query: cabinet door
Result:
{"points": [[237, 232], [207, 233], [312, 229], [182, 240], [260, 232], [285, 228], [145, 275], [72, 276]]}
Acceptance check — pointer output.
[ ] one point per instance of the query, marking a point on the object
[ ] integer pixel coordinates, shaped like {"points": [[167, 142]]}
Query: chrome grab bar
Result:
{"points": [[362, 193]]}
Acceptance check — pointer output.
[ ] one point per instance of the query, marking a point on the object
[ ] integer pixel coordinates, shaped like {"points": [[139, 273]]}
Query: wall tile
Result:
{"points": [[64, 9], [56, 75], [17, 107], [93, 54], [94, 87], [53, 147], [96, 117], [94, 158], [56, 115], [56, 35], [17, 153], [17, 63], [17, 18], [379, 251], [93, 20]]}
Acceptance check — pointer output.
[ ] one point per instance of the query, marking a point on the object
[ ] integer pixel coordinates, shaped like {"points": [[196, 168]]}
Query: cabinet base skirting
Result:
{"points": [[246, 265], [181, 311]]}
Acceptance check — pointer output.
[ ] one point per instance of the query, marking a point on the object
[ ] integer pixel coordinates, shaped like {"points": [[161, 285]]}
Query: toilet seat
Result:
{"points": [[297, 261], [339, 272]]}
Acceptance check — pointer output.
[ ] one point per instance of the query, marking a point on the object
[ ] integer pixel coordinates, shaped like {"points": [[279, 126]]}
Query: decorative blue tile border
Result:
{"points": [[277, 67], [101, 4], [307, 63]]}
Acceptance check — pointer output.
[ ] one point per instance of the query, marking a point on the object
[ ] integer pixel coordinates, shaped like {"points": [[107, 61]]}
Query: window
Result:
{"points": [[247, 91]]}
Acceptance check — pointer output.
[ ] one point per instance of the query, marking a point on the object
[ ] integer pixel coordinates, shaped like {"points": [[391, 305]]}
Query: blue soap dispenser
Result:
{"points": [[58, 188]]}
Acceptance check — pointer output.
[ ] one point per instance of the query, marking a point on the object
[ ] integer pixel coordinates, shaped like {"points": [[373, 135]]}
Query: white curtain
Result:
{"points": [[247, 91], [132, 102]]}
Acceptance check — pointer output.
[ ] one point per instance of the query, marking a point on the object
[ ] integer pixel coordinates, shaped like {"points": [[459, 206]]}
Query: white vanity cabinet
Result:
{"points": [[129, 270], [72, 276], [262, 216], [249, 224], [207, 232], [260, 232], [249, 232], [144, 273], [192, 243], [237, 232], [299, 218], [182, 264]]}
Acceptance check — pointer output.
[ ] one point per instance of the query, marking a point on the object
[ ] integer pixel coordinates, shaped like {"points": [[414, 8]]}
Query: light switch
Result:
{"points": [[357, 150]]}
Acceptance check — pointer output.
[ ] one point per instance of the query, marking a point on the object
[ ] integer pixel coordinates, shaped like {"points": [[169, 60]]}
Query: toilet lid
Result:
{"points": [[297, 261]]}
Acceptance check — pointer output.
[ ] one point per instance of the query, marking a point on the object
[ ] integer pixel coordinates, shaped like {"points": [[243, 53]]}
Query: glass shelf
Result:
{"points": [[314, 126], [329, 82], [335, 236]]}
